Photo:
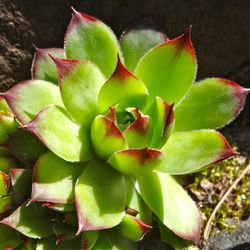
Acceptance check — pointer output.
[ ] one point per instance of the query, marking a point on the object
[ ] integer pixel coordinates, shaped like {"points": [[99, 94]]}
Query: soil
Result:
{"points": [[220, 35]]}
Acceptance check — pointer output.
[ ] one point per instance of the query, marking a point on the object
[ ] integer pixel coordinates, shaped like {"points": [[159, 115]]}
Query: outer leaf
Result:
{"points": [[28, 98], [95, 193], [106, 137], [136, 161], [188, 152], [168, 69], [8, 238], [43, 68], [134, 92], [211, 103], [80, 82], [136, 42], [90, 39], [171, 204], [133, 228], [163, 119], [64, 137], [25, 146], [36, 228], [54, 179]]}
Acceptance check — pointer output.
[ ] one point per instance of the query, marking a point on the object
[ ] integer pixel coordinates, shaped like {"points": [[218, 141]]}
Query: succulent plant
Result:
{"points": [[92, 146]]}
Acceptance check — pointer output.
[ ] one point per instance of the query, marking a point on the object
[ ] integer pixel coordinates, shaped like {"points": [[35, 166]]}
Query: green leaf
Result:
{"points": [[5, 204], [163, 119], [136, 42], [89, 239], [188, 152], [4, 183], [169, 69], [9, 238], [98, 204], [43, 68], [34, 228], [134, 93], [80, 82], [90, 39], [70, 207], [106, 137], [133, 228], [211, 103], [62, 136], [139, 133], [54, 179], [136, 161], [171, 204], [28, 98], [50, 244], [7, 160], [25, 146]]}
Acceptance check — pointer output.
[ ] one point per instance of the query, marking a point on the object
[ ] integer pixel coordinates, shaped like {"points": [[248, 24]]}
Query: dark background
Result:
{"points": [[221, 36]]}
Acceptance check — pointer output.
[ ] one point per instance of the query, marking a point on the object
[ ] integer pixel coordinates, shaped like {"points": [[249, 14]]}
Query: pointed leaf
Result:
{"points": [[163, 119], [90, 39], [106, 137], [136, 42], [133, 228], [211, 103], [25, 146], [139, 133], [122, 88], [34, 228], [169, 69], [136, 161], [171, 204], [54, 179], [43, 68], [28, 98], [63, 137], [8, 238], [80, 82], [99, 205], [188, 152]]}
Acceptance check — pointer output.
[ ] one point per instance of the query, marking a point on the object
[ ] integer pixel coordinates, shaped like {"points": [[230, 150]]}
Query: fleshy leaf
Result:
{"points": [[211, 103], [60, 207], [106, 137], [63, 232], [133, 228], [94, 192], [7, 160], [8, 238], [50, 244], [136, 42], [8, 125], [188, 152], [171, 204], [163, 119], [80, 82], [34, 228], [25, 146], [4, 184], [54, 179], [89, 239], [5, 203], [28, 98], [169, 69], [139, 133], [62, 136], [122, 88], [90, 39], [43, 68], [136, 161]]}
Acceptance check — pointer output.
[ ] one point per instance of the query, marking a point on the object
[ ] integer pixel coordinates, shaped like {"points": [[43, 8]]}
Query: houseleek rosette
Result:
{"points": [[119, 121]]}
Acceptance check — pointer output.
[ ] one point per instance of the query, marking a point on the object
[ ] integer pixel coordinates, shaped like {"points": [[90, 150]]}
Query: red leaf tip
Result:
{"points": [[121, 72], [81, 16]]}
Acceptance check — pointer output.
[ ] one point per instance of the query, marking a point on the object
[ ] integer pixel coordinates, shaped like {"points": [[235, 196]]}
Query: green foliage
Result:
{"points": [[104, 128]]}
